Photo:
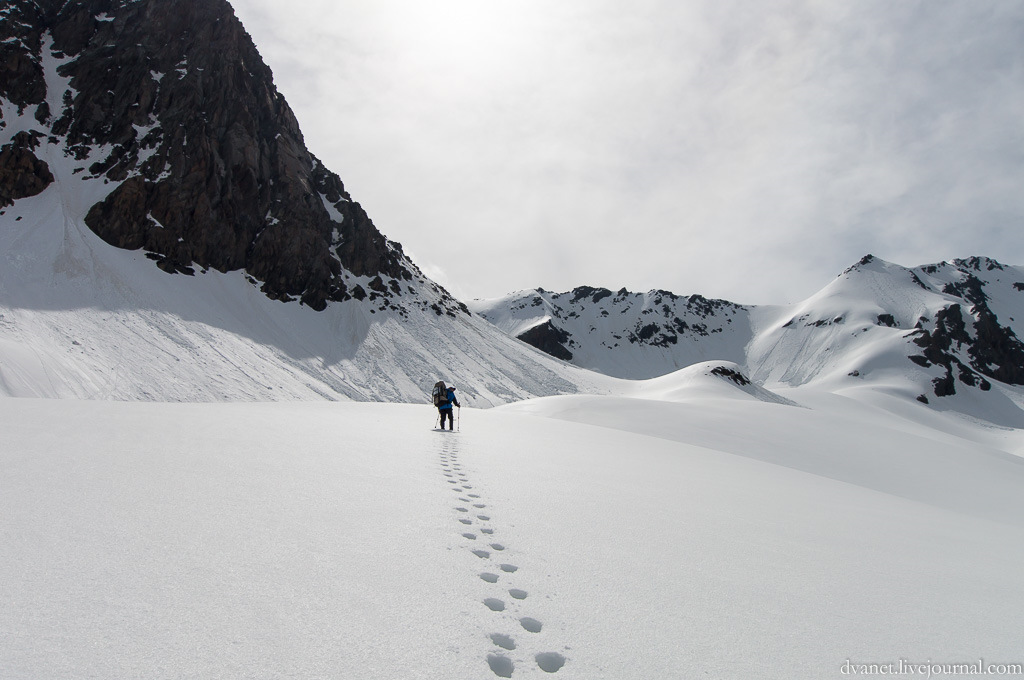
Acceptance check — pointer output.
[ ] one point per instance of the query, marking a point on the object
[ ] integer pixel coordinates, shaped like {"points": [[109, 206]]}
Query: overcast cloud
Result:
{"points": [[744, 150]]}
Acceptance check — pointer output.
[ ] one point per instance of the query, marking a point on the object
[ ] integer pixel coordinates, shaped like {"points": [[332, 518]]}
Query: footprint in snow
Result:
{"points": [[482, 554], [503, 641], [509, 568], [500, 665], [518, 594], [494, 604], [532, 625], [550, 662], [489, 577]]}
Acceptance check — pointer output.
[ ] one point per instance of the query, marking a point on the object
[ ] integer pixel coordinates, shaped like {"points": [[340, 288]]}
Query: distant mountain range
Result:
{"points": [[623, 334], [957, 324]]}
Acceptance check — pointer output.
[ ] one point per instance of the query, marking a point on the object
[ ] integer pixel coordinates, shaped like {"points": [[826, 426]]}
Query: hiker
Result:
{"points": [[445, 408]]}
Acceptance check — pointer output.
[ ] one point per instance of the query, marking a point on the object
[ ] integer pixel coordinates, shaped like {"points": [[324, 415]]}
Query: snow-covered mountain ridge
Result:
{"points": [[623, 334], [928, 332]]}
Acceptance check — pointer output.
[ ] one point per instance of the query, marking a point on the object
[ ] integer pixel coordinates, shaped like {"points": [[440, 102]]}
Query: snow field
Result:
{"points": [[717, 564], [337, 540]]}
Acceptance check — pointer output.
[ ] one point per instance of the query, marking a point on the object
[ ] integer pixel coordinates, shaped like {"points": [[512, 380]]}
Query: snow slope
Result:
{"points": [[80, 318], [687, 529], [862, 330]]}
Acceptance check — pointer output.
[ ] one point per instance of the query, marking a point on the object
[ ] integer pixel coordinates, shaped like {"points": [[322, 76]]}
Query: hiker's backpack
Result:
{"points": [[440, 393]]}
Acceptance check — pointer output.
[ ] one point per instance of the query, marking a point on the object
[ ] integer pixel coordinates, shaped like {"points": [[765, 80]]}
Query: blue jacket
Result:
{"points": [[451, 400]]}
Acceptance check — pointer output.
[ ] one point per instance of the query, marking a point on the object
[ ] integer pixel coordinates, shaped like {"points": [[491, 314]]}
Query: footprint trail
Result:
{"points": [[518, 642]]}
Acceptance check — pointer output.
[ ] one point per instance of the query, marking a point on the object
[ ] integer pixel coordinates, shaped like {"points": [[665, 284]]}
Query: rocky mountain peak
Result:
{"points": [[171, 107], [596, 328]]}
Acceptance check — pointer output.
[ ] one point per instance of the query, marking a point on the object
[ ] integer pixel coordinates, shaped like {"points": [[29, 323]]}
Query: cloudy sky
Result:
{"points": [[742, 150]]}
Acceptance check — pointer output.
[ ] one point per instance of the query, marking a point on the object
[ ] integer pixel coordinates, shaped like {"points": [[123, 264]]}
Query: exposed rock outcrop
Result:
{"points": [[970, 345], [547, 338], [22, 174]]}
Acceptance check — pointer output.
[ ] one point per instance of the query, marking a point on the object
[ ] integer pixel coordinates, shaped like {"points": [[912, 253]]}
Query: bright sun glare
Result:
{"points": [[462, 37]]}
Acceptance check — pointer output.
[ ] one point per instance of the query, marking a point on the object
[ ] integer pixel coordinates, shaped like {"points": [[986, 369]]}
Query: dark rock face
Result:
{"points": [[21, 76], [21, 173], [171, 103], [595, 294], [997, 352], [548, 338], [970, 346], [730, 374]]}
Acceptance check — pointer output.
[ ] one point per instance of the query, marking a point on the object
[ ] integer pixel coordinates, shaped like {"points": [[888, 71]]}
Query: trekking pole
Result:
{"points": [[437, 420], [458, 420]]}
